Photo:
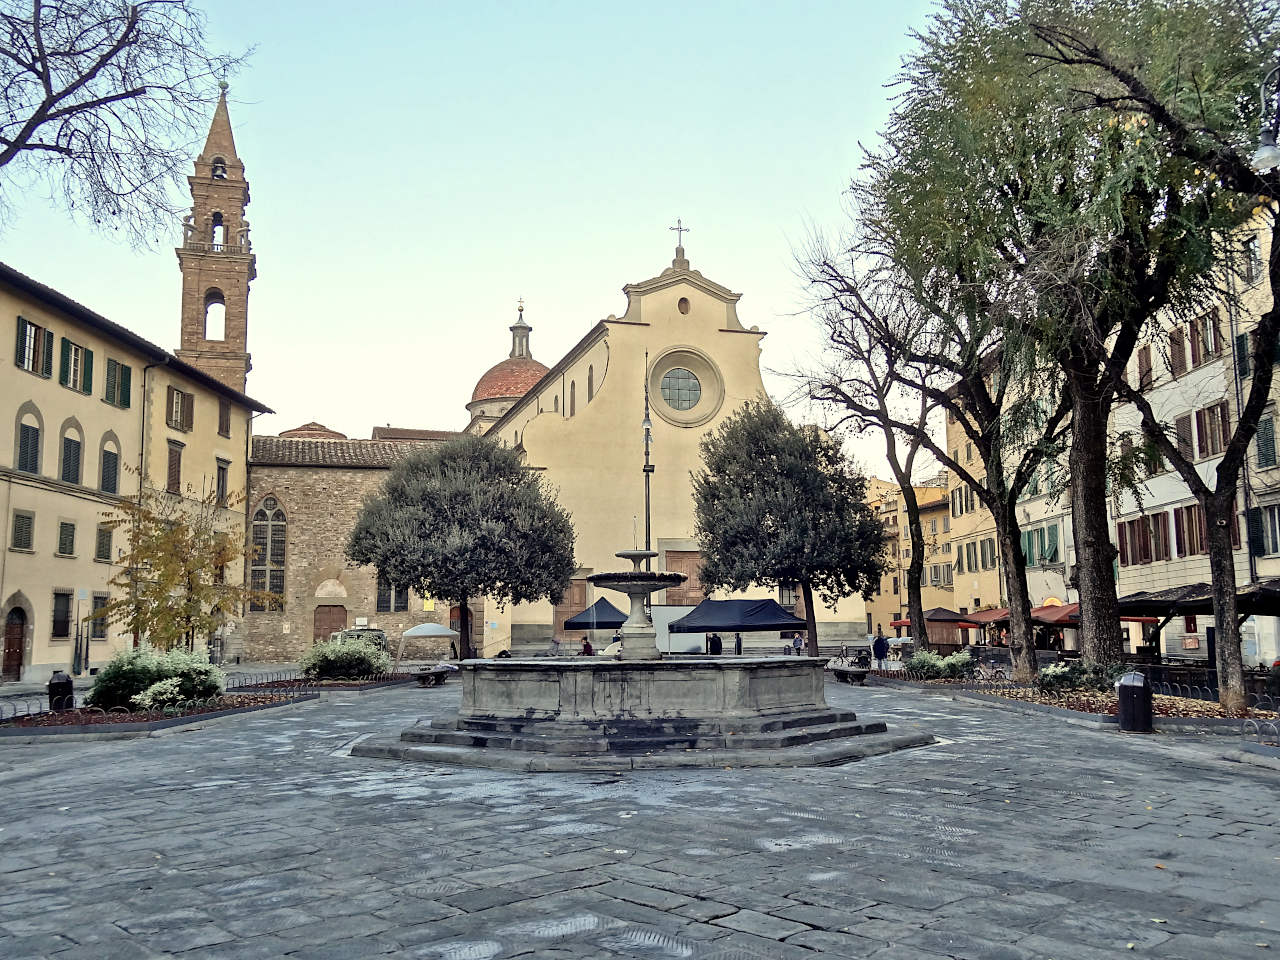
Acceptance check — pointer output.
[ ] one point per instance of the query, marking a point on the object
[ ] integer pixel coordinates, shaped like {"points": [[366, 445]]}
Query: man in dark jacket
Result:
{"points": [[880, 649]]}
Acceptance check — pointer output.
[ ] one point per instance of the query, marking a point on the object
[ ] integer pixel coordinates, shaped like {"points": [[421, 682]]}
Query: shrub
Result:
{"points": [[959, 666], [1060, 677], [334, 659], [132, 672], [925, 664], [162, 693]]}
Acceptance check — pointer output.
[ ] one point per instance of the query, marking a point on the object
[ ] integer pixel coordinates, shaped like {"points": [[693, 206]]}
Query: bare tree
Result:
{"points": [[101, 102]]}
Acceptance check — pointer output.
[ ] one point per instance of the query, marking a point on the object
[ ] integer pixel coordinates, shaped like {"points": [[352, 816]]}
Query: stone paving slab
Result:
{"points": [[1015, 836]]}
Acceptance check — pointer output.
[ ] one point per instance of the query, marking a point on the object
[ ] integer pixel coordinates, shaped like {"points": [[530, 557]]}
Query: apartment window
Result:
{"points": [[1264, 530], [1190, 532], [173, 482], [224, 417], [180, 409], [1177, 352], [220, 487], [23, 535], [971, 556], [61, 614], [102, 546], [946, 547], [119, 386], [1206, 338], [1266, 442], [1040, 546], [1251, 260], [98, 628], [28, 448], [968, 452], [110, 471], [35, 349], [906, 553], [1213, 428], [789, 594], [66, 539], [946, 523], [383, 604], [1144, 367], [988, 549], [75, 369], [895, 585], [71, 459], [1182, 427], [933, 525], [401, 599], [1189, 625]]}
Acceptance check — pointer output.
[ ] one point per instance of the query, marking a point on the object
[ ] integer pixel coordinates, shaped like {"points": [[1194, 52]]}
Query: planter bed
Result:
{"points": [[323, 686], [1169, 714], [87, 720]]}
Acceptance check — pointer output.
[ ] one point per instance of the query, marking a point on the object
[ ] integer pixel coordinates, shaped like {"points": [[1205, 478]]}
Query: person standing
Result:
{"points": [[797, 643], [737, 644], [880, 649], [715, 645]]}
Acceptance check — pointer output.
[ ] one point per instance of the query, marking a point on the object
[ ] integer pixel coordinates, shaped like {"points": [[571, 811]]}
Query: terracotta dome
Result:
{"points": [[512, 377], [313, 431]]}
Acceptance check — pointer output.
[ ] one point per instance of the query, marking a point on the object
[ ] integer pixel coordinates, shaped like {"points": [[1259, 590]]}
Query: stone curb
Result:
{"points": [[1223, 726], [324, 693], [90, 732]]}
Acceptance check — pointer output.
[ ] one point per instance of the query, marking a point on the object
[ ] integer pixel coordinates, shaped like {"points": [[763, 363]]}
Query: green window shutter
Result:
{"points": [[123, 385], [1052, 549], [19, 351], [67, 539], [86, 385], [64, 365], [110, 471], [1026, 548], [102, 549], [1257, 533], [1242, 354], [110, 389], [1266, 442], [47, 366]]}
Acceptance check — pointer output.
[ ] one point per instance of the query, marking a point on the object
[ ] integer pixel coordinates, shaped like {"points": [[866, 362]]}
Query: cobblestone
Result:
{"points": [[1016, 836]]}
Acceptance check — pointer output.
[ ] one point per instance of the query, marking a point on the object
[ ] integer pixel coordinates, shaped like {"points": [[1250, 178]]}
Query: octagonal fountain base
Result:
{"points": [[596, 714]]}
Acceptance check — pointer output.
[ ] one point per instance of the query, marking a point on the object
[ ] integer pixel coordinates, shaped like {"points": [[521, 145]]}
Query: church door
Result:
{"points": [[574, 602], [329, 618], [15, 633], [690, 592]]}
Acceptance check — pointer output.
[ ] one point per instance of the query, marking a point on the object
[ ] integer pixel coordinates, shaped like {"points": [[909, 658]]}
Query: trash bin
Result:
{"points": [[61, 692], [1134, 693]]}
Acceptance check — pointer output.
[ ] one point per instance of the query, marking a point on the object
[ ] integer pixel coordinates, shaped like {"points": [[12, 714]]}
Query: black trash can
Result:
{"points": [[61, 692], [1134, 693]]}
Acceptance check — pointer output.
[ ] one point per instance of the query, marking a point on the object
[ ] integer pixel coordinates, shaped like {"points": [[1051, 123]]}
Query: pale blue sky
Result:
{"points": [[416, 168]]}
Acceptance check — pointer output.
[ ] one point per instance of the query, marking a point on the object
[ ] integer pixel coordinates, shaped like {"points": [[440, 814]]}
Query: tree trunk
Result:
{"points": [[464, 633], [1100, 636], [811, 647], [1222, 570], [1022, 646], [915, 572]]}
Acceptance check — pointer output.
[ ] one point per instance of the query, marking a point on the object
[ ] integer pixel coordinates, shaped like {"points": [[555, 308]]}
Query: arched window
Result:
{"points": [[26, 453], [109, 464], [219, 233], [266, 564], [219, 168], [591, 383], [215, 315], [573, 397], [70, 452]]}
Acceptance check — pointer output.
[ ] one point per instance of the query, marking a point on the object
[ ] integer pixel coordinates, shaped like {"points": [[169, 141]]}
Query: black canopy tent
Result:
{"points": [[749, 615], [601, 615]]}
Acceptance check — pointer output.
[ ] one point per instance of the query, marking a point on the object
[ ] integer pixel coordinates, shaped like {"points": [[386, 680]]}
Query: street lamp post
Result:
{"points": [[1267, 156], [647, 424]]}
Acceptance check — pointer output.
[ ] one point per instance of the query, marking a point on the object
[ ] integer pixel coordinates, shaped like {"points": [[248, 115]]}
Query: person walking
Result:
{"points": [[880, 649], [797, 643]]}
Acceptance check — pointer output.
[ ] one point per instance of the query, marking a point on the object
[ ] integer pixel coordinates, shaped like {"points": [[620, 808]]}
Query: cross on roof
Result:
{"points": [[680, 230]]}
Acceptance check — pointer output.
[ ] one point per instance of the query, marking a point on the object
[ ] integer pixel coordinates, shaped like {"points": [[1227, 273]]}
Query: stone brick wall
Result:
{"points": [[320, 505]]}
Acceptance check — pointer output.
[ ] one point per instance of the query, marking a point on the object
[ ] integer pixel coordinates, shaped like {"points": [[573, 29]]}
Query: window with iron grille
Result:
{"points": [[266, 562], [66, 539], [98, 628], [383, 604], [23, 535], [61, 614]]}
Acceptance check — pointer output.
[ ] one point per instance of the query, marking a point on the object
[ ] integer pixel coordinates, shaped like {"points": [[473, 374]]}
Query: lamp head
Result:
{"points": [[1267, 156]]}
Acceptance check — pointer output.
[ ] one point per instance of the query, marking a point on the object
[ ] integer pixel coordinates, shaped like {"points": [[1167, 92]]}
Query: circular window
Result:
{"points": [[681, 389], [269, 503]]}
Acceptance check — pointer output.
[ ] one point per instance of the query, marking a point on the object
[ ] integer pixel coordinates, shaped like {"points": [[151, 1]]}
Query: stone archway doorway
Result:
{"points": [[15, 635], [329, 617]]}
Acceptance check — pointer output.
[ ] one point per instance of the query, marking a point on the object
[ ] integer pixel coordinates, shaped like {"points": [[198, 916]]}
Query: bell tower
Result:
{"points": [[216, 259]]}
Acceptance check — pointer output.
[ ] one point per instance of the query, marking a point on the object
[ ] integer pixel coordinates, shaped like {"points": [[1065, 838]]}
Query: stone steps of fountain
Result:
{"points": [[822, 753], [656, 726]]}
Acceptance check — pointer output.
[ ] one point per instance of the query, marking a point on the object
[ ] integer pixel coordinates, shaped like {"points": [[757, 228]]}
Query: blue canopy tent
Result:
{"points": [[736, 615], [601, 615]]}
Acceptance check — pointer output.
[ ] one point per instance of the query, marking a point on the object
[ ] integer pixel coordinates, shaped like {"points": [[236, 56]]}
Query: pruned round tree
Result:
{"points": [[464, 520], [777, 504]]}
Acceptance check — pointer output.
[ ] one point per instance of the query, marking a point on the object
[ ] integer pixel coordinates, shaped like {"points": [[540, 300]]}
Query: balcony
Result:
{"points": [[200, 246]]}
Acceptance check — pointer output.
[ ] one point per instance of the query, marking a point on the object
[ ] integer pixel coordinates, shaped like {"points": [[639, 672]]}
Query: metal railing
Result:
{"points": [[14, 709]]}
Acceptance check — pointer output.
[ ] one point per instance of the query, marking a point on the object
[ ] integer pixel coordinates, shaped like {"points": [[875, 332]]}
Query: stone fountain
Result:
{"points": [[643, 710]]}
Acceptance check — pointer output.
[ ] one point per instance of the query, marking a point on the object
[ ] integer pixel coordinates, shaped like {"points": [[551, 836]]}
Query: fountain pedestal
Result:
{"points": [[639, 639]]}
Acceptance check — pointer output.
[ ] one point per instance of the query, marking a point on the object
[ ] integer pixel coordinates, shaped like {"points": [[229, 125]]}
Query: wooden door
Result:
{"points": [[690, 592], [15, 633], [574, 602], [329, 617]]}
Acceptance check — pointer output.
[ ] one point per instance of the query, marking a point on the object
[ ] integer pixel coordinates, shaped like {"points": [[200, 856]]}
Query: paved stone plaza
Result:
{"points": [[258, 836]]}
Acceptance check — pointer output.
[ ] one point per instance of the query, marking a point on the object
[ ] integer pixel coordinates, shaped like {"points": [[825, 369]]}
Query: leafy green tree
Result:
{"points": [[464, 520], [173, 587], [780, 504]]}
